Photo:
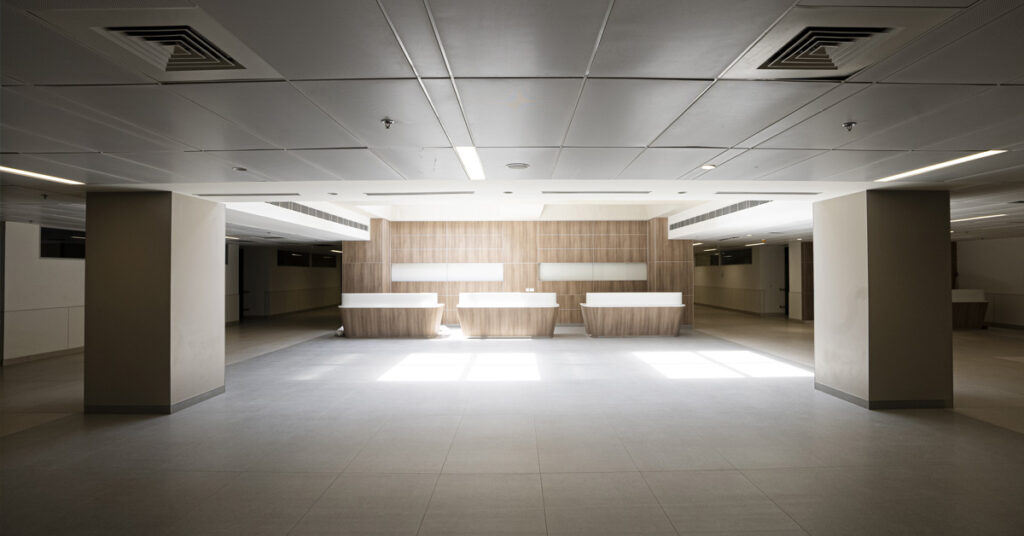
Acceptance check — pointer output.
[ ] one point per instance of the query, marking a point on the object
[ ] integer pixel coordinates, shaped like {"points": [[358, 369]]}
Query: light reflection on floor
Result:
{"points": [[708, 364], [452, 367]]}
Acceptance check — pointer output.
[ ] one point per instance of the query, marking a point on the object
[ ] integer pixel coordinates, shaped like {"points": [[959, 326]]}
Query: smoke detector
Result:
{"points": [[517, 165]]}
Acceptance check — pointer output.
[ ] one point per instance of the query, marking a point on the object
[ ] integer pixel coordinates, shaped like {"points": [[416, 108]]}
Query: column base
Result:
{"points": [[882, 404], [155, 410]]}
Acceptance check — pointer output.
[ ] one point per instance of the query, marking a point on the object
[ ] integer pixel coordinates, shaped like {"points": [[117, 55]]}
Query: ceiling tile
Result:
{"points": [[32, 52], [732, 111], [592, 163], [905, 161], [824, 102], [756, 163], [673, 39], [20, 141], [889, 3], [275, 165], [519, 112], [191, 166], [442, 94], [29, 109], [518, 37], [109, 165], [429, 163], [830, 163], [629, 113], [874, 110], [668, 163], [541, 160], [315, 38], [360, 105], [161, 112], [274, 111], [980, 57], [988, 120], [349, 164], [59, 169], [413, 25]]}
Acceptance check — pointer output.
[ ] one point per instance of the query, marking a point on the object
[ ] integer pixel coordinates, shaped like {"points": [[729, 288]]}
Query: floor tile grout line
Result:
{"points": [[540, 474], [650, 489], [437, 478], [781, 509], [314, 503]]}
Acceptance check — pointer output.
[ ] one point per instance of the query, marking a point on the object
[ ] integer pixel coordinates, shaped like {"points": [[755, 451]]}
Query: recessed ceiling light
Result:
{"points": [[332, 193], [231, 237], [471, 162], [708, 166], [517, 165], [940, 165], [40, 176], [799, 238], [754, 244], [78, 237], [239, 169], [978, 218], [698, 243], [507, 192], [335, 251], [712, 249]]}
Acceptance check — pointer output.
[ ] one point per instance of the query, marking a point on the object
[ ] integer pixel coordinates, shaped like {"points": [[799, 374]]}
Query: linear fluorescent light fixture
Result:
{"points": [[335, 251], [231, 237], [275, 194], [754, 244], [977, 218], [698, 244], [712, 249], [940, 165], [40, 176], [471, 162], [767, 193]]}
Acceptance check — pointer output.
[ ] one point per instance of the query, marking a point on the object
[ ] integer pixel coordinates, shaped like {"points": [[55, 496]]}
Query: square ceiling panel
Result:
{"points": [[38, 113], [592, 163], [898, 164], [19, 141], [518, 37], [413, 25], [437, 163], [629, 113], [349, 164], [510, 112], [274, 111], [35, 53], [757, 163], [157, 110], [541, 161], [315, 38], [732, 111], [830, 163], [275, 165], [981, 57], [192, 166], [676, 39], [668, 163], [361, 105], [109, 165], [59, 169], [442, 94], [874, 110]]}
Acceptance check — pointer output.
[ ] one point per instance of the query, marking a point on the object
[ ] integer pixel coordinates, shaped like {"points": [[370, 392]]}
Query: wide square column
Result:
{"points": [[882, 299], [154, 302]]}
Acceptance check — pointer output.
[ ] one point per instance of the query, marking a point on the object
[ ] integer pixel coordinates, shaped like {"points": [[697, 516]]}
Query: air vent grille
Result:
{"points": [[386, 194], [1020, 202], [822, 48], [717, 213], [173, 48], [319, 214], [570, 192]]}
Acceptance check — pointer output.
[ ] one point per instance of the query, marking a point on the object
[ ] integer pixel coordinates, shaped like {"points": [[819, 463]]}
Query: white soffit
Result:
{"points": [[775, 216], [106, 30], [867, 35], [274, 218]]}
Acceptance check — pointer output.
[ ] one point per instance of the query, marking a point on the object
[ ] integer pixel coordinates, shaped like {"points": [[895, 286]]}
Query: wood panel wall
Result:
{"points": [[670, 265], [520, 246], [807, 281]]}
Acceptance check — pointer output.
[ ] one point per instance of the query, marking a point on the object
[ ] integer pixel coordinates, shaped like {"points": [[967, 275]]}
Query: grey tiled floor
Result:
{"points": [[306, 440]]}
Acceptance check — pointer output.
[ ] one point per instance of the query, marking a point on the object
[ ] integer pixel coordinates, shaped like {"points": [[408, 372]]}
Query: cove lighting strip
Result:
{"points": [[34, 175], [977, 218], [940, 165]]}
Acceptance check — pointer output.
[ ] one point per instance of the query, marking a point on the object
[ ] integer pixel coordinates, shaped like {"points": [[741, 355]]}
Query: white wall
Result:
{"points": [[753, 288], [997, 267], [44, 305], [273, 290]]}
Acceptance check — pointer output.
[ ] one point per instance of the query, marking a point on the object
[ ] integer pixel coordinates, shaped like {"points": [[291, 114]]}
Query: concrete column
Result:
{"points": [[154, 302], [883, 336]]}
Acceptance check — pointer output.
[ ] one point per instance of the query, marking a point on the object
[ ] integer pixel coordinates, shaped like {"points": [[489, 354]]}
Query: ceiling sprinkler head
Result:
{"points": [[848, 125], [387, 122]]}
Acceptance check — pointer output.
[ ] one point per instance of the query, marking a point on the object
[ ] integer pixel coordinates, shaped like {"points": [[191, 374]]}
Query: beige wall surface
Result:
{"points": [[795, 280], [44, 298], [273, 290], [197, 297], [997, 267], [753, 288], [231, 290], [841, 294]]}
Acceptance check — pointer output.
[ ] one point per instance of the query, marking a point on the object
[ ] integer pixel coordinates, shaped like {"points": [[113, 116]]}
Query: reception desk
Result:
{"points": [[632, 314], [508, 314], [384, 315], [969, 308]]}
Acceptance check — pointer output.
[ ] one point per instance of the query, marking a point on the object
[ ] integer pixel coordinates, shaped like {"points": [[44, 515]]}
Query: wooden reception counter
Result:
{"points": [[384, 315], [632, 314], [508, 314], [969, 308]]}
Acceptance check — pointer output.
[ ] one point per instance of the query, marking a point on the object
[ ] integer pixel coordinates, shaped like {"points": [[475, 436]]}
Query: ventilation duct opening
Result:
{"points": [[822, 48], [319, 214], [172, 48], [717, 213], [386, 194], [571, 192]]}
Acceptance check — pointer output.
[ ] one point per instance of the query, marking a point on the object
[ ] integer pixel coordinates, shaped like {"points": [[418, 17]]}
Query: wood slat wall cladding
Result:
{"points": [[520, 246]]}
